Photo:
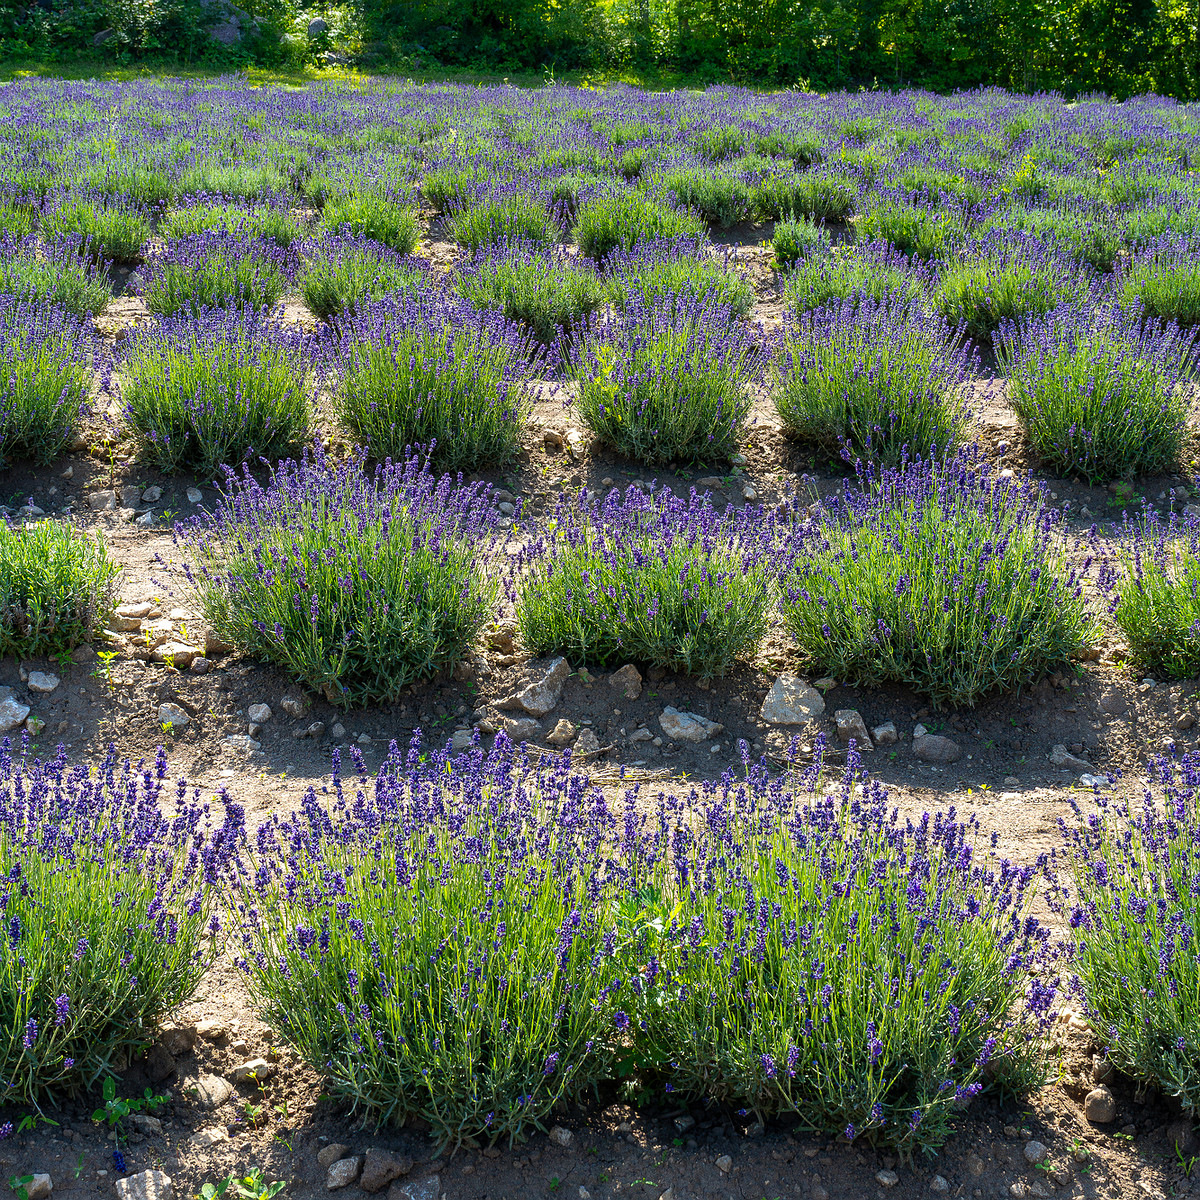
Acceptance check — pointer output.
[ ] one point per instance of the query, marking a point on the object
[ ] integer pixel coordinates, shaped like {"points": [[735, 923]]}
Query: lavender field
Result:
{"points": [[415, 492]]}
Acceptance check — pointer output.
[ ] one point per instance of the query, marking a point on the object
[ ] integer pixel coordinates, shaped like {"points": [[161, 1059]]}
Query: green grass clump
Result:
{"points": [[260, 221], [57, 588], [448, 189], [355, 584], [813, 197], [548, 294], [372, 215], [666, 382], [1099, 397], [793, 240], [108, 929], [111, 232], [874, 273], [59, 272], [428, 371], [623, 219], [228, 387], [940, 577], [47, 363], [516, 217], [342, 272], [653, 580], [721, 200], [874, 379]]}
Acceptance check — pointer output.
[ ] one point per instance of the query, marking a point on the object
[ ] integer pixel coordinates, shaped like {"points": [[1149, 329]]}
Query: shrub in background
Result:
{"points": [[425, 369], [106, 228], [107, 931], [215, 270], [673, 271], [916, 232], [652, 579], [1099, 396], [57, 271], [619, 220], [502, 218], [373, 215], [544, 291], [57, 588], [223, 387], [938, 576], [666, 381], [47, 360], [355, 584], [861, 377], [342, 272]]}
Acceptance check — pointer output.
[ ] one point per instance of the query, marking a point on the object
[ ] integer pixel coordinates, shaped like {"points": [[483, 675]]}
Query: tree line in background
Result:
{"points": [[1074, 46]]}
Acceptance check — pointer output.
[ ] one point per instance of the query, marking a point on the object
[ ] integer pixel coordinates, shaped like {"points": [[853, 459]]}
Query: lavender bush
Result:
{"points": [[355, 584], [215, 270], [223, 387], [1132, 876], [862, 377], [666, 382], [668, 272], [813, 197], [214, 215], [373, 215], [875, 272], [504, 217], [109, 230], [47, 361], [108, 909], [342, 272], [620, 220], [795, 239], [57, 588], [1099, 396], [58, 271], [1163, 283], [939, 576], [652, 579], [427, 370]]}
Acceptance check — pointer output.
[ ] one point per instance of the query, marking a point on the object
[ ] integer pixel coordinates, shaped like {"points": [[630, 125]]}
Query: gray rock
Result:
{"points": [[12, 711], [194, 495], [328, 1155], [343, 1172], [205, 1139], [213, 1091], [461, 739], [561, 1137], [294, 704], [933, 748], [1182, 1136], [227, 34], [152, 495], [791, 702], [1087, 779], [429, 1188], [145, 1124], [1036, 1152], [212, 1029], [178, 654], [178, 1039], [214, 647], [587, 742], [1099, 1106], [541, 694], [851, 725], [724, 1164], [521, 729], [255, 1070], [43, 681], [687, 727], [39, 1187], [563, 733], [104, 500], [317, 26], [885, 735], [381, 1167], [684, 1123], [173, 715], [199, 665], [1111, 701], [939, 1184], [887, 1179], [315, 730], [260, 714], [1060, 756], [159, 1064], [241, 743], [147, 1185], [628, 680]]}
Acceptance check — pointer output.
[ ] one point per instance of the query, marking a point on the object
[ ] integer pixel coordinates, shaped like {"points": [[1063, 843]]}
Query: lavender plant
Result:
{"points": [[666, 382], [58, 271], [107, 229], [426, 370], [877, 273], [720, 199], [355, 584], [669, 272], [214, 270], [795, 239], [809, 196], [619, 220], [652, 579], [47, 360], [373, 215], [1129, 900], [939, 576], [1163, 283], [504, 217], [861, 377], [268, 221], [109, 910], [342, 272], [1100, 397], [223, 387], [916, 232]]}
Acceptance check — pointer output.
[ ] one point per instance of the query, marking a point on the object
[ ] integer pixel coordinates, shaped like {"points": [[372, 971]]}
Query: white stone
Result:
{"points": [[203, 1138], [791, 702], [939, 1184], [887, 1179], [173, 715], [147, 1185], [563, 733], [687, 727], [1060, 756], [561, 1137], [241, 742], [541, 694], [253, 1071], [177, 654], [587, 742], [885, 734], [39, 1187], [628, 680], [850, 725], [43, 681], [461, 739], [12, 711], [260, 714], [294, 704], [194, 495], [103, 501]]}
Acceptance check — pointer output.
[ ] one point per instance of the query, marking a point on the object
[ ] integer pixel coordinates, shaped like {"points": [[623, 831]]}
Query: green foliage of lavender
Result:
{"points": [[267, 221], [721, 200], [224, 387], [1154, 584], [666, 382], [515, 216], [661, 273], [110, 230], [619, 220], [47, 358], [59, 271], [342, 272], [373, 215], [875, 272], [57, 588], [355, 584], [654, 580], [109, 902], [1163, 284], [546, 292], [917, 232], [428, 371], [812, 197], [795, 239], [1100, 397], [938, 576], [1128, 895], [865, 378], [215, 270]]}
